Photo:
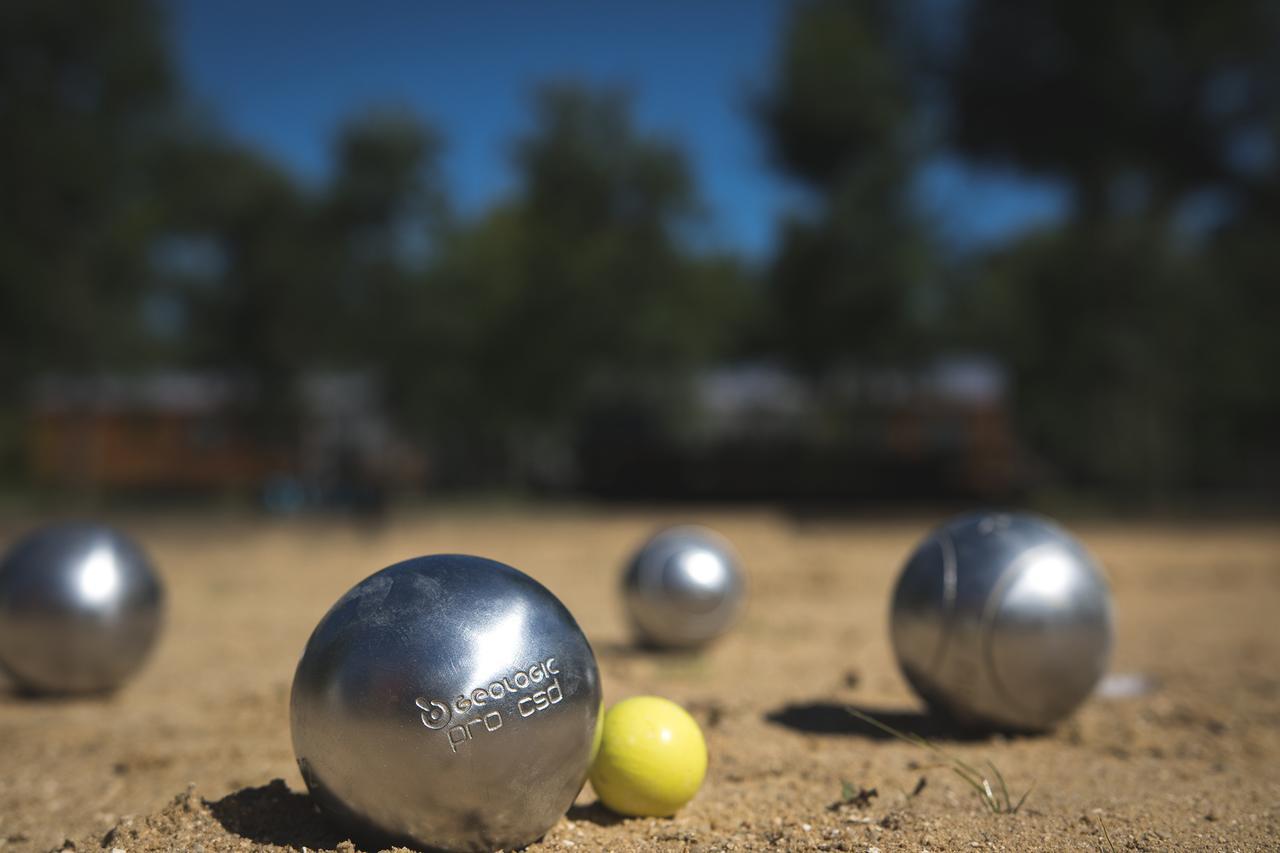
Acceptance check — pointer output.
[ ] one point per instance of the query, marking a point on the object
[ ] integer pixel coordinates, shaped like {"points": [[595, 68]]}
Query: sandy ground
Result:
{"points": [[186, 756]]}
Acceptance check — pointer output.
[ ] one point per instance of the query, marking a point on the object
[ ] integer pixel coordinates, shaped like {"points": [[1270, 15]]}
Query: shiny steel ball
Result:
{"points": [[1002, 620], [80, 608], [683, 588], [449, 702]]}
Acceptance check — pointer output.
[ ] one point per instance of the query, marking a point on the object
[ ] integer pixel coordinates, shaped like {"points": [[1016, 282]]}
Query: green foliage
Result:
{"points": [[1140, 337], [846, 286], [1151, 92], [579, 286], [839, 98], [382, 219], [251, 308], [1135, 337], [81, 88], [387, 176], [1097, 332], [1138, 365], [841, 118]]}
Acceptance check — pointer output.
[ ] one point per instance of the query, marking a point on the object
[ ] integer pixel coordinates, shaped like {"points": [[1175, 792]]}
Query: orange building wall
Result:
{"points": [[144, 450]]}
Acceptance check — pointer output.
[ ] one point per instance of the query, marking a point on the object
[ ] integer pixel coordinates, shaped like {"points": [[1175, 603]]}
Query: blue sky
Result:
{"points": [[282, 76]]}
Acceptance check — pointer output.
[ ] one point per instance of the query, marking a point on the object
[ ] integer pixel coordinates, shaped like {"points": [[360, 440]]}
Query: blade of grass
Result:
{"points": [[1023, 798], [910, 738], [969, 767], [1004, 789], [973, 777], [977, 788], [1106, 834]]}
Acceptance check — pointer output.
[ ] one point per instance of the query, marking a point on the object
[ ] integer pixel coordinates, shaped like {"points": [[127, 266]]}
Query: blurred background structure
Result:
{"points": [[814, 251]]}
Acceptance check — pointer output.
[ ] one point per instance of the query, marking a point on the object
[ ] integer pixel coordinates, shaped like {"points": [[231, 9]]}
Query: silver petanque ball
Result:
{"points": [[683, 588], [1002, 620], [449, 702], [80, 608]]}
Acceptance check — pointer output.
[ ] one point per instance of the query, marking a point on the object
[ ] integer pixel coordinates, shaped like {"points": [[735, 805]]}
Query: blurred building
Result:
{"points": [[193, 432], [169, 431], [761, 432], [752, 432]]}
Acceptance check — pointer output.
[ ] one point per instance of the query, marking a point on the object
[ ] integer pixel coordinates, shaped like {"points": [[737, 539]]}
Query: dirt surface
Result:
{"points": [[187, 755]]}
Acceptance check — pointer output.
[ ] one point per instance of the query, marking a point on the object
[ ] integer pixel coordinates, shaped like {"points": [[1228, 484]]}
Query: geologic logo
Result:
{"points": [[436, 715]]}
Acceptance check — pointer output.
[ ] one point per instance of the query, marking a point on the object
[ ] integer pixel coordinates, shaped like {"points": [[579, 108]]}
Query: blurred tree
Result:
{"points": [[82, 86], [297, 280], [249, 280], [1135, 103], [1095, 328], [840, 98], [1236, 415], [1133, 332], [387, 186], [385, 215], [841, 117], [603, 207], [579, 288]]}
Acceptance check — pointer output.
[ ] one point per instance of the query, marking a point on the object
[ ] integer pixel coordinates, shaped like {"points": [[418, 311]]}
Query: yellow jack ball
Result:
{"points": [[652, 758]]}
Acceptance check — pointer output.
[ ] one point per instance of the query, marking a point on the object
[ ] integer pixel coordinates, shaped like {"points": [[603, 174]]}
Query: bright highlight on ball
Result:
{"points": [[683, 588], [80, 609], [652, 758]]}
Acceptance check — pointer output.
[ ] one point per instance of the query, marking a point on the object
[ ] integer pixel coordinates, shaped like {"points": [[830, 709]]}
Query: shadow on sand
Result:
{"points": [[640, 650], [20, 694], [595, 813], [833, 718], [272, 814]]}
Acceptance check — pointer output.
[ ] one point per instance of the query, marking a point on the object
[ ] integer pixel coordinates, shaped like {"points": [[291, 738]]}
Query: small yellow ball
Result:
{"points": [[652, 758]]}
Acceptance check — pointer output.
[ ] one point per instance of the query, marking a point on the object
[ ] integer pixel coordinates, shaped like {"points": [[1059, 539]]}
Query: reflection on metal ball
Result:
{"points": [[683, 588], [80, 608], [449, 702], [1002, 620]]}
